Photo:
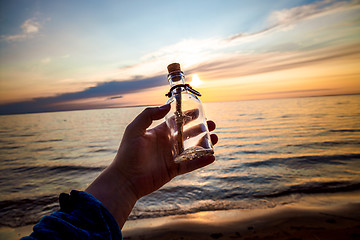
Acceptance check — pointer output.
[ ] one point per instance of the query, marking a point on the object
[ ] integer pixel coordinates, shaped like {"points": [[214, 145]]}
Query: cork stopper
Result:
{"points": [[174, 67]]}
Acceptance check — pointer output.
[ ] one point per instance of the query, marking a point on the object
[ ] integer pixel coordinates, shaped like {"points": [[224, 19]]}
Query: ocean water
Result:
{"points": [[270, 152]]}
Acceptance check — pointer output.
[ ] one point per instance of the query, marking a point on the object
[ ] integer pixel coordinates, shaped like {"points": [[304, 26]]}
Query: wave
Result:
{"points": [[315, 187], [200, 207], [33, 170], [68, 157], [254, 201], [103, 150], [290, 116], [345, 130], [303, 160], [255, 152], [21, 212], [11, 147], [325, 144], [171, 201], [22, 135], [49, 140], [45, 149]]}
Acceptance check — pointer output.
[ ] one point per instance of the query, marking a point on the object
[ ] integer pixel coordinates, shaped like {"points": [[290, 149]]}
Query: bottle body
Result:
{"points": [[186, 120]]}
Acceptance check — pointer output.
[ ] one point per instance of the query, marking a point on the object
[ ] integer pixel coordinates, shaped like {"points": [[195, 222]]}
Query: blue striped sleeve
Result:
{"points": [[81, 216]]}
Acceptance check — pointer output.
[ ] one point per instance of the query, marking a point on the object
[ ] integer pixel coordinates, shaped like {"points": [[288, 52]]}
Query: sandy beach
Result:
{"points": [[293, 221], [284, 223], [335, 216]]}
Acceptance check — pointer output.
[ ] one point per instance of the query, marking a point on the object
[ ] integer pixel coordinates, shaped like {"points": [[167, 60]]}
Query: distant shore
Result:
{"points": [[325, 216], [19, 108]]}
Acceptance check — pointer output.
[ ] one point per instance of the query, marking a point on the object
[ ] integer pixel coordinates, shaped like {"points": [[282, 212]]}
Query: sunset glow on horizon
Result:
{"points": [[231, 51]]}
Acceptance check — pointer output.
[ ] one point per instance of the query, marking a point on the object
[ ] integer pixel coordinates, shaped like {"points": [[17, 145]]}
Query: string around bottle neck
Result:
{"points": [[186, 86]]}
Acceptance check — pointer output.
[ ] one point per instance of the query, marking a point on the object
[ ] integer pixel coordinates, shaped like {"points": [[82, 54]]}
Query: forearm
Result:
{"points": [[114, 191]]}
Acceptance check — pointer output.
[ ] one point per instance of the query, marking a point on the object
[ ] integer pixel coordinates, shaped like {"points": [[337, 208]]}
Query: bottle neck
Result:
{"points": [[176, 78]]}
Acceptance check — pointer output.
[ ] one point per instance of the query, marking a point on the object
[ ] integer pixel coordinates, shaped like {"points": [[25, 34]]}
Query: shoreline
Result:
{"points": [[318, 216], [293, 221]]}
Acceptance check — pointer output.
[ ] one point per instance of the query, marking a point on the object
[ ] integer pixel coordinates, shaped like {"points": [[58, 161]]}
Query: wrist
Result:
{"points": [[115, 192]]}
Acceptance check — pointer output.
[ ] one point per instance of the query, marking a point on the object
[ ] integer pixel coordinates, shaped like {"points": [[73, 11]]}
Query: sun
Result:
{"points": [[195, 82]]}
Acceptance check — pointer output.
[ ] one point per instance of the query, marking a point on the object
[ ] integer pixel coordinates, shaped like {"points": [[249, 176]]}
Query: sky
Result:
{"points": [[69, 55]]}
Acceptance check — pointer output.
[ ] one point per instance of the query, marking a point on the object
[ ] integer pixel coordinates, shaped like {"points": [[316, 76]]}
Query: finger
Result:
{"points": [[188, 166], [214, 139], [211, 125], [139, 125], [194, 131], [198, 129], [204, 142]]}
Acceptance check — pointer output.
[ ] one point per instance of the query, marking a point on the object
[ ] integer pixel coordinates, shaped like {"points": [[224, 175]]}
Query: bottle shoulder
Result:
{"points": [[190, 96]]}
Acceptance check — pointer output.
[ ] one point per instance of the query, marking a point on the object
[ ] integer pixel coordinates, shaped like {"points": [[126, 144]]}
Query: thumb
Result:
{"points": [[139, 125]]}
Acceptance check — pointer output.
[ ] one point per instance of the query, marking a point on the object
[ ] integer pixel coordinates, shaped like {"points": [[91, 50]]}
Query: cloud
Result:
{"points": [[29, 29], [46, 60], [30, 26], [115, 97], [290, 16], [270, 49], [306, 21], [292, 92], [286, 18], [243, 54], [110, 90], [242, 65]]}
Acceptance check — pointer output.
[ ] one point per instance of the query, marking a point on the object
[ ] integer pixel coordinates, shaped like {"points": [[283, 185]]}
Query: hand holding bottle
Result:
{"points": [[143, 164]]}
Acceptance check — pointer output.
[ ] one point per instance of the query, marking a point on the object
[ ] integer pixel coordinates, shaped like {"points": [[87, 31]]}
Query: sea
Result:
{"points": [[270, 152]]}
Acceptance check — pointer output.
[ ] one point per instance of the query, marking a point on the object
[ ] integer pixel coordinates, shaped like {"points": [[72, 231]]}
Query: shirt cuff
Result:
{"points": [[81, 216]]}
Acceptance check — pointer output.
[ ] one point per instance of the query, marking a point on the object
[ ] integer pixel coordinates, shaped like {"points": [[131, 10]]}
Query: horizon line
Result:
{"points": [[149, 105]]}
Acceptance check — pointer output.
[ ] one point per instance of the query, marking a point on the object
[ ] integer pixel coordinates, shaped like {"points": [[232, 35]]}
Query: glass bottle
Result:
{"points": [[190, 135]]}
